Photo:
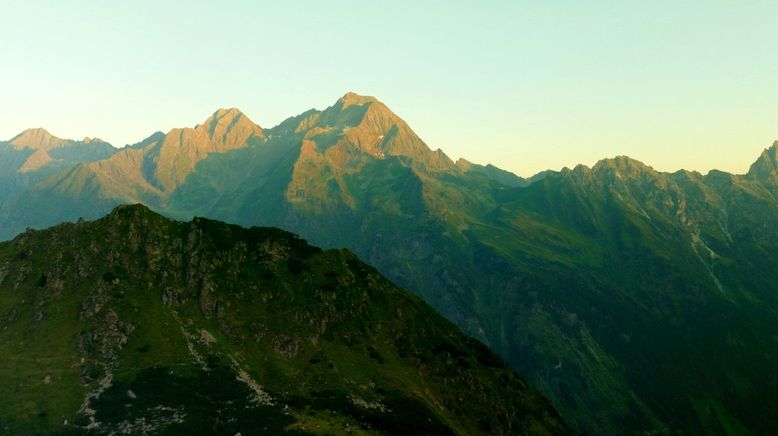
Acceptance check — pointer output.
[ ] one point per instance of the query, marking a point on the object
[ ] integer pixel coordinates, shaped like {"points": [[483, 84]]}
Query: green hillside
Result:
{"points": [[138, 324]]}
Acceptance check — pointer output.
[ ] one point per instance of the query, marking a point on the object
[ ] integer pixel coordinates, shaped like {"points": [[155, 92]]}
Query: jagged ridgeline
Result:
{"points": [[138, 324]]}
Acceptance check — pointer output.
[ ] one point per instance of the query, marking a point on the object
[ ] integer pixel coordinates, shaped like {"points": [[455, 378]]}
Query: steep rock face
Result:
{"points": [[344, 138], [765, 169], [141, 324], [36, 160], [175, 157], [378, 131]]}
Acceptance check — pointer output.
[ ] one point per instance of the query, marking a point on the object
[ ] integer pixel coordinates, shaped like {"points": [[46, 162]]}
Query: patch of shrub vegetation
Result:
{"points": [[212, 402]]}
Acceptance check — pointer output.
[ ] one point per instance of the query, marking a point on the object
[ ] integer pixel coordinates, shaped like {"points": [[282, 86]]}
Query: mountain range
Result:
{"points": [[637, 301]]}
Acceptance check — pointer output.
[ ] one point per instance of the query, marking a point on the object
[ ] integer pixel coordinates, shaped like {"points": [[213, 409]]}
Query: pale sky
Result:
{"points": [[524, 85]]}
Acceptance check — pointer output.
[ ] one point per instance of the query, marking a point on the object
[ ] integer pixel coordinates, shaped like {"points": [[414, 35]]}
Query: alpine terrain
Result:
{"points": [[136, 324], [637, 301]]}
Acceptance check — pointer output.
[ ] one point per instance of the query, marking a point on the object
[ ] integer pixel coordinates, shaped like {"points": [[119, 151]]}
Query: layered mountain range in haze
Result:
{"points": [[635, 300]]}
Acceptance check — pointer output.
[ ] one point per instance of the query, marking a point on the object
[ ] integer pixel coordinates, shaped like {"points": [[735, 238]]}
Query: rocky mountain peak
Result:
{"points": [[622, 167], [131, 211], [351, 98], [765, 169], [463, 164], [37, 139], [771, 154], [368, 124], [181, 149], [230, 126], [89, 140], [621, 162]]}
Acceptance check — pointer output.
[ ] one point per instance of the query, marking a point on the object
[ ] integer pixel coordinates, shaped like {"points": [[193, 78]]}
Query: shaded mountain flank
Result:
{"points": [[138, 324], [637, 301]]}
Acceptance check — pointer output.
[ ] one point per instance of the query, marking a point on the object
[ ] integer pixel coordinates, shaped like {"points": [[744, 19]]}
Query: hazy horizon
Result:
{"points": [[523, 86]]}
